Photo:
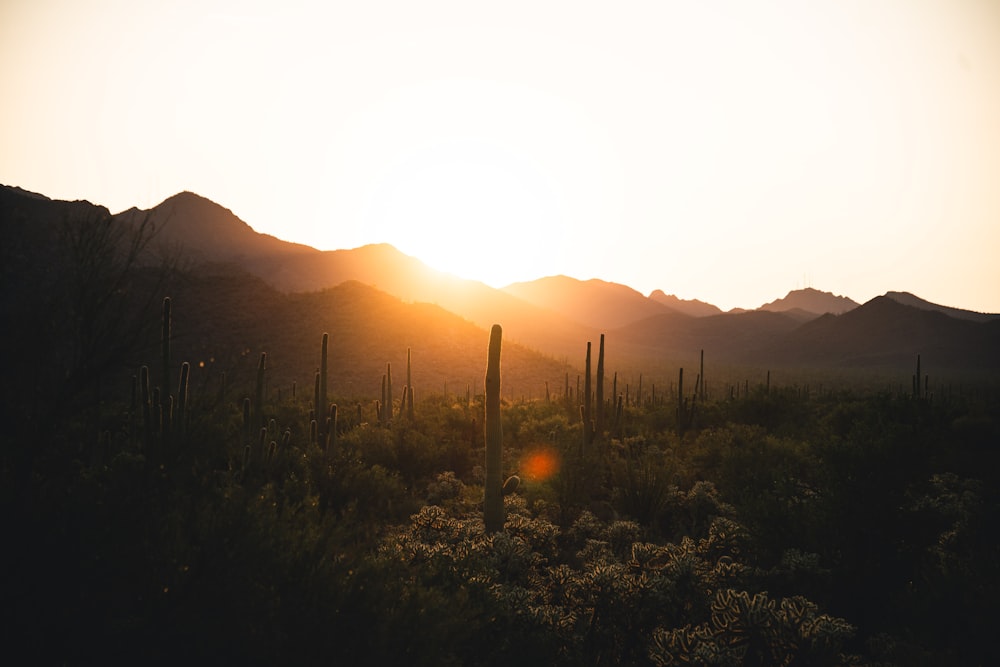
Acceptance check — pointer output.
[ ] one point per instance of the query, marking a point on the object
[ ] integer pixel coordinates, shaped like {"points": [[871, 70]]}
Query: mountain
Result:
{"points": [[883, 332], [692, 307], [726, 337], [276, 286], [65, 297], [211, 234], [207, 232], [595, 303], [908, 299], [810, 301], [226, 321]]}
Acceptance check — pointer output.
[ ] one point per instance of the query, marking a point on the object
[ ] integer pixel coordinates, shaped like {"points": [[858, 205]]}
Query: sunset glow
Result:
{"points": [[725, 151]]}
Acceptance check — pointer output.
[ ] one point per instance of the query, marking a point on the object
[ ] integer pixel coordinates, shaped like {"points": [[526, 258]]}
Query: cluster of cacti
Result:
{"points": [[384, 409], [262, 444], [164, 419]]}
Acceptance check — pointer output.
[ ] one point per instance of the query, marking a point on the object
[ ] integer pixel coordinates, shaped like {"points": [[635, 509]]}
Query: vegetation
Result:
{"points": [[181, 514]]}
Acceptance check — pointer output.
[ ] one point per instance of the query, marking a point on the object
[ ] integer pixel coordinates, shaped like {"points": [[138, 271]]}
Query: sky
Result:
{"points": [[725, 150]]}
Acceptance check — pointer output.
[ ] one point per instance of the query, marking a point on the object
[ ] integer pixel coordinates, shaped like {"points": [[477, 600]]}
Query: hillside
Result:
{"points": [[595, 303], [226, 321], [728, 337], [908, 299]]}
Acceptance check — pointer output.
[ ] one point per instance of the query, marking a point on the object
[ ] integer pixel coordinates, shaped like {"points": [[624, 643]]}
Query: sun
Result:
{"points": [[471, 208], [480, 178]]}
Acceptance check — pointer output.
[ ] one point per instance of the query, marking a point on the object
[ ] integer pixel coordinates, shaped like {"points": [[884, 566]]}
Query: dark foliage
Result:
{"points": [[781, 527]]}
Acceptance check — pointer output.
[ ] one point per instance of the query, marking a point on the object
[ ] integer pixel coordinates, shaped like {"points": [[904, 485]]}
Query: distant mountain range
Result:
{"points": [[554, 315]]}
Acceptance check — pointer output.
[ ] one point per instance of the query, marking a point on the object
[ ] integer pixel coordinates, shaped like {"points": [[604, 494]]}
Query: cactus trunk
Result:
{"points": [[599, 401], [493, 495]]}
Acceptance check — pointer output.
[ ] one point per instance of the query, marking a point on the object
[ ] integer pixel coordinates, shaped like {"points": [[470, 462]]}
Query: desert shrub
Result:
{"points": [[753, 629]]}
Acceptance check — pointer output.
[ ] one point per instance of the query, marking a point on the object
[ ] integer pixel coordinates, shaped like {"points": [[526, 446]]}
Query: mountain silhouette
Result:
{"points": [[692, 307], [884, 332], [208, 232], [908, 299], [211, 234], [810, 301], [595, 303], [555, 316]]}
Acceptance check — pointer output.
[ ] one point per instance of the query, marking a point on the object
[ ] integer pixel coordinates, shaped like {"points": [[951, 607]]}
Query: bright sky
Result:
{"points": [[728, 151]]}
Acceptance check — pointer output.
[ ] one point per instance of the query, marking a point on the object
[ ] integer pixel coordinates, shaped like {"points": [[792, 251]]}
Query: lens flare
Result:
{"points": [[539, 465]]}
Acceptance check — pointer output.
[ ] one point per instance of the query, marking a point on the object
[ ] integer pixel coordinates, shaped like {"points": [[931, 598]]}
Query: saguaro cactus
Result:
{"points": [[680, 402], [701, 378], [146, 401], [331, 428], [599, 402], [409, 388], [181, 415], [493, 514], [380, 411], [387, 407], [323, 375], [259, 389], [165, 348], [586, 416]]}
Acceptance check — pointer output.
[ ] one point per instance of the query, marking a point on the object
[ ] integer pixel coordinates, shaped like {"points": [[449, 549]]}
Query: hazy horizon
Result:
{"points": [[728, 152]]}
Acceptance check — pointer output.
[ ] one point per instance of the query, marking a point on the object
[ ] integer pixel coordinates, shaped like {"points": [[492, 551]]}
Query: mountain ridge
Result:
{"points": [[556, 315], [187, 204]]}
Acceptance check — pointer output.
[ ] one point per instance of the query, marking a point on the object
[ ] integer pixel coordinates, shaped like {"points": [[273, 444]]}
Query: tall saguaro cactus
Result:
{"points": [[321, 401], [701, 378], [181, 415], [259, 389], [165, 348], [493, 514], [409, 388], [586, 414], [387, 404], [323, 375], [599, 400]]}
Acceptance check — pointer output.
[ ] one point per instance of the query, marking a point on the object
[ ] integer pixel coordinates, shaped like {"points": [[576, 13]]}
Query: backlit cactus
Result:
{"points": [[493, 493], [599, 396]]}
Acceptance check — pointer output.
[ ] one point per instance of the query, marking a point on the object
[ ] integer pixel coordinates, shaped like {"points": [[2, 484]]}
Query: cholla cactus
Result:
{"points": [[747, 628]]}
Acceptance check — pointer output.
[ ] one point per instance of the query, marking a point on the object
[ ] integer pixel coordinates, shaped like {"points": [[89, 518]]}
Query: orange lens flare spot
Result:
{"points": [[539, 465]]}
